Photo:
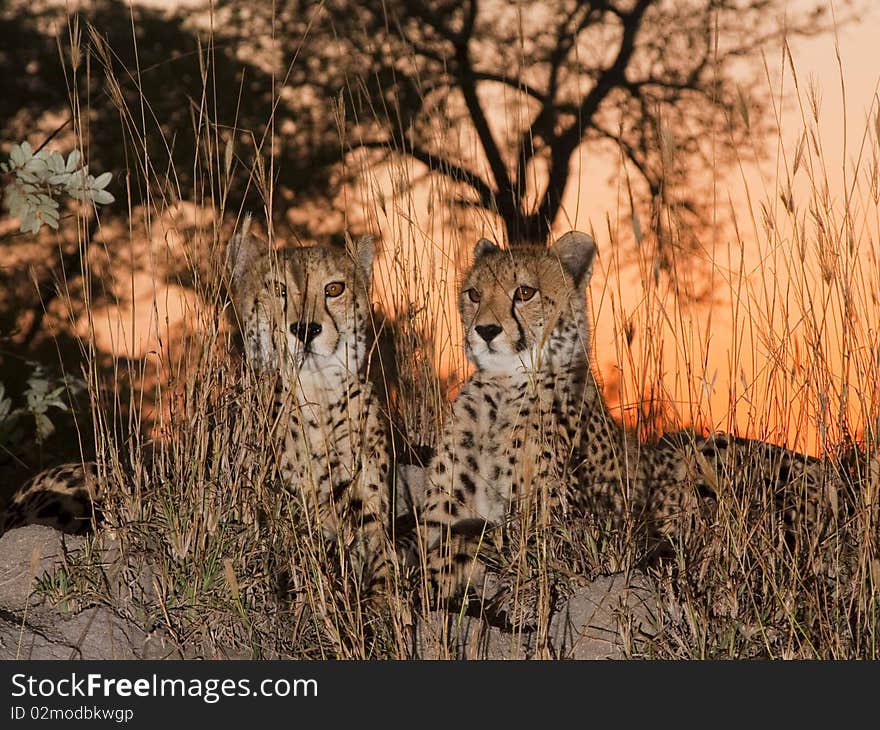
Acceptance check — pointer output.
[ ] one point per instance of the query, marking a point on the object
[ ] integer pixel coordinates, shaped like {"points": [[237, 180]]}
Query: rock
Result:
{"points": [[30, 629], [95, 633], [609, 618], [26, 554]]}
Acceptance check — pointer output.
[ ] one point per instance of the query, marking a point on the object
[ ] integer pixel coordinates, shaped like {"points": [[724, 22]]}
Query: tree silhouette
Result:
{"points": [[494, 96], [670, 85], [657, 79]]}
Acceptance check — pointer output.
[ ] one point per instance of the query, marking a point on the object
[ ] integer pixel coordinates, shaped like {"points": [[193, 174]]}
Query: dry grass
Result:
{"points": [[235, 563]]}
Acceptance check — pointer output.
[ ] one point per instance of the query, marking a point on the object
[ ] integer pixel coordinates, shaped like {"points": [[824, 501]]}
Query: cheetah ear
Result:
{"points": [[576, 252], [484, 246], [363, 250], [242, 251]]}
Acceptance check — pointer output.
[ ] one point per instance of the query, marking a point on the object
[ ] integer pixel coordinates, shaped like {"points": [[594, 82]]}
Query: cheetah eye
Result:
{"points": [[280, 290], [334, 289], [524, 293], [474, 296]]}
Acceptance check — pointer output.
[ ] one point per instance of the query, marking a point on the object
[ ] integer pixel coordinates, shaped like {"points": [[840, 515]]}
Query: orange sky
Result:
{"points": [[740, 363], [736, 352]]}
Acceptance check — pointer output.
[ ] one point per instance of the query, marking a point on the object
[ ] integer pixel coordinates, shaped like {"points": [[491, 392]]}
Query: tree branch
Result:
{"points": [[512, 82], [464, 72], [543, 123], [612, 76], [563, 146], [633, 156]]}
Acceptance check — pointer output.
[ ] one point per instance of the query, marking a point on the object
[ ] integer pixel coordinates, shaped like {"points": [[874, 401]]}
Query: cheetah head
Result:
{"points": [[306, 307], [525, 308]]}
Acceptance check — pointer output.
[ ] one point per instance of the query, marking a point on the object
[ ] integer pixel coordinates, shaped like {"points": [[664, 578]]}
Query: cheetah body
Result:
{"points": [[530, 428], [305, 318], [64, 497], [304, 314]]}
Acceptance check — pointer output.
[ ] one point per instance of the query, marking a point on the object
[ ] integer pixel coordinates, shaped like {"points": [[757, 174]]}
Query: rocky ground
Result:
{"points": [[610, 618]]}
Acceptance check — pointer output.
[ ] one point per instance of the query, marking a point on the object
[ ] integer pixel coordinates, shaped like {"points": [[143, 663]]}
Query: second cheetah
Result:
{"points": [[530, 428]]}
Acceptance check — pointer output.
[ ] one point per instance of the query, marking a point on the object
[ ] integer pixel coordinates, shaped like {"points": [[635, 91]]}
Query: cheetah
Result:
{"points": [[529, 426], [531, 430], [64, 497], [304, 315]]}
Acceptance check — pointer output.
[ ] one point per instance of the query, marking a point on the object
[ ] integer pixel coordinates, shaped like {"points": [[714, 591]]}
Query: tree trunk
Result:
{"points": [[525, 228], [528, 228]]}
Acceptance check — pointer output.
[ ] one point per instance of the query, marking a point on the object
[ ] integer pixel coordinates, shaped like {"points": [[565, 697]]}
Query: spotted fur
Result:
{"points": [[802, 489], [305, 316], [514, 440], [64, 497], [531, 431]]}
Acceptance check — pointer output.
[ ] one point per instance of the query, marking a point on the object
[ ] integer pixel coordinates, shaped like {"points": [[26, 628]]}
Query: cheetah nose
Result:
{"points": [[488, 331], [305, 332]]}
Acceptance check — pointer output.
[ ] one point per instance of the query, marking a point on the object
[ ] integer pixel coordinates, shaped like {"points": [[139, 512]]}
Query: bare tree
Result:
{"points": [[655, 78]]}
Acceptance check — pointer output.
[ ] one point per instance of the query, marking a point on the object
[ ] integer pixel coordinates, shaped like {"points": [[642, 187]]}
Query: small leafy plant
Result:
{"points": [[41, 396], [39, 179]]}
